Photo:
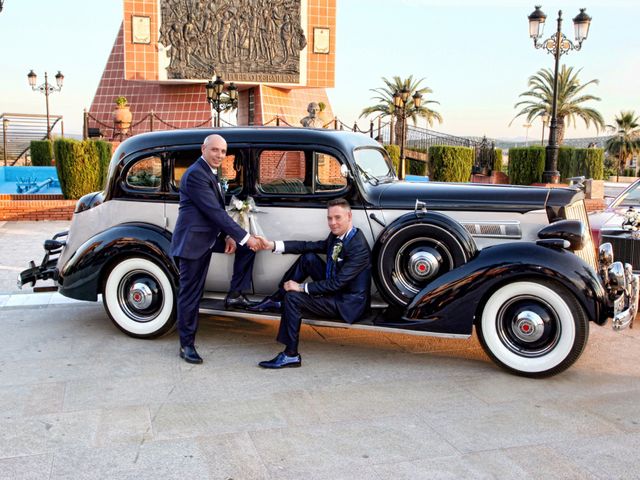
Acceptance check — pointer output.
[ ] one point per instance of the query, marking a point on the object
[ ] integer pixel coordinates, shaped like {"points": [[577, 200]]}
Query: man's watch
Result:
{"points": [[302, 287]]}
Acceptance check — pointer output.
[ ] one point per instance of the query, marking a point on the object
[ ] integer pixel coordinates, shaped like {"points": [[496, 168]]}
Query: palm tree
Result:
{"points": [[386, 108], [625, 142], [570, 100]]}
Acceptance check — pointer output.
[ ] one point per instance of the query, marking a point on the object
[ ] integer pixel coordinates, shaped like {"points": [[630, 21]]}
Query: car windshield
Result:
{"points": [[373, 165], [632, 198]]}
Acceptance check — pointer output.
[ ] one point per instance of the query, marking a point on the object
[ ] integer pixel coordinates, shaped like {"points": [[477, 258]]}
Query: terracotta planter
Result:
{"points": [[122, 119]]}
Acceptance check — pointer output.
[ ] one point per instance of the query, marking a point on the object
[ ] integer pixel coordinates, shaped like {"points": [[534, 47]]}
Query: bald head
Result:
{"points": [[214, 150]]}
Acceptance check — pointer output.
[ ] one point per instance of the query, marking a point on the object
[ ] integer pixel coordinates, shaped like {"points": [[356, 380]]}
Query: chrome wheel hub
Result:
{"points": [[529, 326], [140, 296], [423, 265]]}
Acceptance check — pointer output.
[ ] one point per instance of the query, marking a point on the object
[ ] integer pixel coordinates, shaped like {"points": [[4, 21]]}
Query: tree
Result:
{"points": [[571, 97], [386, 108], [625, 142]]}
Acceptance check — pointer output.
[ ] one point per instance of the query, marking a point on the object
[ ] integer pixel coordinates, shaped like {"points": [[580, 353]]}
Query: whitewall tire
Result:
{"points": [[139, 297], [533, 328]]}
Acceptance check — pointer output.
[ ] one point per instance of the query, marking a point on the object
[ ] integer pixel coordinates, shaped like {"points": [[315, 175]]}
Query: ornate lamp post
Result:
{"points": [[400, 101], [526, 126], [214, 96], [557, 45], [46, 88]]}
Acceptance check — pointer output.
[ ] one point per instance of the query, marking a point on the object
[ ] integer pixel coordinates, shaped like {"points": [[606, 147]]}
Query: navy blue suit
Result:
{"points": [[342, 291], [200, 230]]}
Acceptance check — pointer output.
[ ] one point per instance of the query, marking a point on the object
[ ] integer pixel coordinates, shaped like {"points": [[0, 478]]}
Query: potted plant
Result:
{"points": [[122, 115]]}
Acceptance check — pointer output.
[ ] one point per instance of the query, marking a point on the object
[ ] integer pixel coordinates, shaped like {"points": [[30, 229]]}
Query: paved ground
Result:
{"points": [[22, 242], [78, 399]]}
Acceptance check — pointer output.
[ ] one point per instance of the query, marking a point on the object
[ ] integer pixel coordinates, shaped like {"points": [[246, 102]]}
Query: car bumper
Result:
{"points": [[48, 268]]}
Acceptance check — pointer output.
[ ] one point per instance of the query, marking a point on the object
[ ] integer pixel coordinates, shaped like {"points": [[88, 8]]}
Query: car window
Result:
{"points": [[372, 163], [145, 174], [296, 172], [328, 177], [283, 172], [229, 174], [632, 198]]}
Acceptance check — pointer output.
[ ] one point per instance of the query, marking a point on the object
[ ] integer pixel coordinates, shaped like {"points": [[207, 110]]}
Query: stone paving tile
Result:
{"points": [[606, 457], [22, 242], [232, 456], [174, 420], [33, 399], [169, 460], [348, 447], [521, 463], [32, 467], [516, 425], [45, 433], [621, 409], [123, 425]]}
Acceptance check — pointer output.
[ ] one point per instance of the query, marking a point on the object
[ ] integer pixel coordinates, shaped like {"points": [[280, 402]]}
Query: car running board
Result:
{"points": [[373, 321]]}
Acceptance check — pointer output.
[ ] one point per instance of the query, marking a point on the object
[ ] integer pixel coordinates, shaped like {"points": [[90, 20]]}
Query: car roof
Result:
{"points": [[259, 135]]}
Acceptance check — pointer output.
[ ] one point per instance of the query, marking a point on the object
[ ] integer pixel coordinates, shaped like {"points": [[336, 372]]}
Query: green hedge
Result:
{"points": [[450, 164], [104, 157], [41, 153], [526, 165], [394, 154], [80, 166], [496, 165], [574, 162], [416, 167]]}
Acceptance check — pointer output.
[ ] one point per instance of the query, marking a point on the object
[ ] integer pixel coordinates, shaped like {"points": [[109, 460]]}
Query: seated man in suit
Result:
{"points": [[340, 289]]}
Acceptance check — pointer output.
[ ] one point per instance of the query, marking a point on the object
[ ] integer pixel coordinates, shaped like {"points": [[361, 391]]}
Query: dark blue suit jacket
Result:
{"points": [[351, 283], [202, 216]]}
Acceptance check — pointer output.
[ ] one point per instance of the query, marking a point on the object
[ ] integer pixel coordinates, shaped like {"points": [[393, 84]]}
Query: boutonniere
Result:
{"points": [[224, 184], [337, 248]]}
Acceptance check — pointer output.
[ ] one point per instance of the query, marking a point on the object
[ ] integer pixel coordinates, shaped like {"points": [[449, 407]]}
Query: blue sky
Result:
{"points": [[476, 59]]}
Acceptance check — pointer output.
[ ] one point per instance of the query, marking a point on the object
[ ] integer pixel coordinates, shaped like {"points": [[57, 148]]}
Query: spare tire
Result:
{"points": [[416, 249]]}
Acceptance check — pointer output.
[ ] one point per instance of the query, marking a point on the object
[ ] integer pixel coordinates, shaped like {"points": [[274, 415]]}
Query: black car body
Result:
{"points": [[518, 263]]}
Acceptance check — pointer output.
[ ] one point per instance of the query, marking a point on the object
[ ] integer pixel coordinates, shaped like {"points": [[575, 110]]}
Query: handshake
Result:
{"points": [[257, 242]]}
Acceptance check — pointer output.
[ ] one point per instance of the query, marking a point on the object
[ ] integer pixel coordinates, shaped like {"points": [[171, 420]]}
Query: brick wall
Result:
{"points": [[35, 207]]}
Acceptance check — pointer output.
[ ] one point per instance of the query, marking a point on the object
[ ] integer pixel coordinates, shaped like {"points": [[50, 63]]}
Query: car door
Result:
{"points": [[291, 186], [231, 176]]}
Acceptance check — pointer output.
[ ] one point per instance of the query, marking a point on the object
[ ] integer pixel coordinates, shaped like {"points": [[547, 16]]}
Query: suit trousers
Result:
{"points": [[298, 303], [193, 274]]}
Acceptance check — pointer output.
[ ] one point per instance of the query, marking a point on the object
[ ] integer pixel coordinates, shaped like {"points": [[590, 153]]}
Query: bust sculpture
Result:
{"points": [[312, 120]]}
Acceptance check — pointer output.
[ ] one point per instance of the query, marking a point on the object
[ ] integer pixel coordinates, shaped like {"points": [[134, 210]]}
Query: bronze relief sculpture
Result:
{"points": [[243, 40]]}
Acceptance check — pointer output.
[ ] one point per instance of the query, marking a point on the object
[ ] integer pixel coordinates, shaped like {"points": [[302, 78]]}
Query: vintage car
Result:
{"points": [[518, 263], [619, 224]]}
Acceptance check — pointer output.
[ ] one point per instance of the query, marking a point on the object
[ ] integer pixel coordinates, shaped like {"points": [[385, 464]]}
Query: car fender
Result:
{"points": [[81, 276], [451, 302]]}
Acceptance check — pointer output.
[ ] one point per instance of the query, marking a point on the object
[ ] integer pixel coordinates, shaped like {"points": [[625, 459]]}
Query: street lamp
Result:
{"points": [[526, 126], [46, 88], [400, 101], [214, 96], [557, 45]]}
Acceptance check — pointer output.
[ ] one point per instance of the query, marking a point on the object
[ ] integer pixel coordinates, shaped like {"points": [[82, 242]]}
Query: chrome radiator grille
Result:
{"points": [[625, 248], [578, 211]]}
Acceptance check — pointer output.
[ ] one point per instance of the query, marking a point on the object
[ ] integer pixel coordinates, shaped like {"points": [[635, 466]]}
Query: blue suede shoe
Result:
{"points": [[282, 361], [266, 305]]}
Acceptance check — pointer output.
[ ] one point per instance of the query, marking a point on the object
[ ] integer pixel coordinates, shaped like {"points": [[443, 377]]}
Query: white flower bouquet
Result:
{"points": [[242, 212]]}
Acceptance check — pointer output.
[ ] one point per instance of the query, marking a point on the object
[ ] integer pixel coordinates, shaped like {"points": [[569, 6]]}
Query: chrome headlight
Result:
{"points": [[617, 277], [605, 254]]}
